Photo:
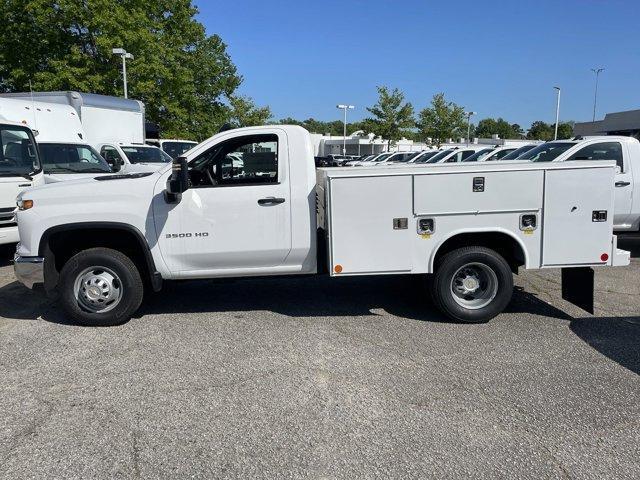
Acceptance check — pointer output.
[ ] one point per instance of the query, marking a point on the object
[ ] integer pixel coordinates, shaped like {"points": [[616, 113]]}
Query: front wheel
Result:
{"points": [[472, 284], [100, 287]]}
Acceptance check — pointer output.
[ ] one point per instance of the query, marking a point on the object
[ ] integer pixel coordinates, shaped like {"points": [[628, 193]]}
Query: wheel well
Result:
{"points": [[502, 243], [59, 246]]}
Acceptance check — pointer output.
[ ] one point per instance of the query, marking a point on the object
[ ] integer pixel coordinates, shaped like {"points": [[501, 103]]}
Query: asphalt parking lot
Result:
{"points": [[324, 378]]}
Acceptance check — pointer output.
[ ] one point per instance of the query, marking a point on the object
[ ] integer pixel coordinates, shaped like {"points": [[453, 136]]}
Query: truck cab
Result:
{"points": [[20, 169], [625, 151]]}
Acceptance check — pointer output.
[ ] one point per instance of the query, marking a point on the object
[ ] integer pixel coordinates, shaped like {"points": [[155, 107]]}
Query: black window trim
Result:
{"points": [[600, 142], [244, 184]]}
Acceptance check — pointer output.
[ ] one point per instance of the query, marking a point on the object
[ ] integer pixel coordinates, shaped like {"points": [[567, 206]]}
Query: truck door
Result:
{"points": [[236, 215], [623, 181]]}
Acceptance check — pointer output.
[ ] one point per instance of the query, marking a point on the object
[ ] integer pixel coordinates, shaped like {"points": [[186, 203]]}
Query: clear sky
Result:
{"points": [[498, 58]]}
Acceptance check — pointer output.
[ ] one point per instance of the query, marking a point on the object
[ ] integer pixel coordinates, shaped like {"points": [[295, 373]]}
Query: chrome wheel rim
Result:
{"points": [[474, 286], [98, 289]]}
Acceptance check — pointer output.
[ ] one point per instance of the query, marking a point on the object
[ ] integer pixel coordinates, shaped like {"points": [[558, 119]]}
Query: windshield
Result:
{"points": [[424, 156], [517, 152], [479, 155], [383, 157], [175, 149], [71, 158], [406, 157], [18, 152], [142, 154], [439, 156], [547, 151]]}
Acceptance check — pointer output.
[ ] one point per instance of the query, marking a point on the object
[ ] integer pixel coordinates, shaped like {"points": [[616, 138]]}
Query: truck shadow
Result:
{"points": [[401, 296]]}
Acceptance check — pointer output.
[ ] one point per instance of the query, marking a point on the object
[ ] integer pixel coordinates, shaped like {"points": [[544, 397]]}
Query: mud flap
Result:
{"points": [[578, 286]]}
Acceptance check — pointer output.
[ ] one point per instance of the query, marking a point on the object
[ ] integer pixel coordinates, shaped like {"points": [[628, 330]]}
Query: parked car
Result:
{"points": [[338, 160], [139, 157], [357, 161], [423, 157], [96, 242], [453, 155], [64, 161], [321, 162], [172, 147], [519, 151], [490, 154]]}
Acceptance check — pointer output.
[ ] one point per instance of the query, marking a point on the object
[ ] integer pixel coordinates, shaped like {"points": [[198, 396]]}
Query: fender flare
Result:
{"points": [[464, 231], [154, 276]]}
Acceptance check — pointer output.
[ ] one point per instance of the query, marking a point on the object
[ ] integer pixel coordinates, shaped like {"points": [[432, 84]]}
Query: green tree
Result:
{"points": [[540, 130], [442, 120], [183, 76], [392, 116], [245, 113], [490, 126], [545, 131], [565, 130]]}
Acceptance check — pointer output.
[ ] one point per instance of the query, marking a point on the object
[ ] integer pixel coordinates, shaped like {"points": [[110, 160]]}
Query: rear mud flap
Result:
{"points": [[578, 287]]}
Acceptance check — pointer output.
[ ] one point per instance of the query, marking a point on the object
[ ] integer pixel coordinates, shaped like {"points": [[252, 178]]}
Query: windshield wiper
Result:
{"points": [[73, 170]]}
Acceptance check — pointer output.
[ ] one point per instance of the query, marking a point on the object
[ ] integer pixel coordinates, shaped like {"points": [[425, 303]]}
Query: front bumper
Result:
{"points": [[29, 270]]}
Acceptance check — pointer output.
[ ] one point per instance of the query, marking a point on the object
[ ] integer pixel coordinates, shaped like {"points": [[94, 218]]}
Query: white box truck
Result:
{"points": [[64, 152], [103, 118], [247, 202], [67, 151]]}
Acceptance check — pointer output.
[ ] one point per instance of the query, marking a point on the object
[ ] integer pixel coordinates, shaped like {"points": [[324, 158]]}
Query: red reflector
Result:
{"points": [[604, 257]]}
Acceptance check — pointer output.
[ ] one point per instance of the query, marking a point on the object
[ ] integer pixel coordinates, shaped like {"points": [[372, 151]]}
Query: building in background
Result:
{"points": [[618, 123]]}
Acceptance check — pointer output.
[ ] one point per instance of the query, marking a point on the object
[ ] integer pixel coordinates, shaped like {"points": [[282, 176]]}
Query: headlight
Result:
{"points": [[25, 204]]}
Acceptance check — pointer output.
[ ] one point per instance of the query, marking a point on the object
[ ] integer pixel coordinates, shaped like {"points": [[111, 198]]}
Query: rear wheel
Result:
{"points": [[472, 284], [100, 287]]}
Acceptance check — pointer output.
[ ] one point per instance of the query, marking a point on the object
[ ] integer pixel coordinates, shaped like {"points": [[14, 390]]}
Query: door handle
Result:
{"points": [[623, 184], [270, 201]]}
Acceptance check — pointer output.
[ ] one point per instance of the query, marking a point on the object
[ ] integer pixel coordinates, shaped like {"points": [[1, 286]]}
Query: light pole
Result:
{"points": [[469, 114], [595, 95], [344, 137], [125, 55], [555, 136]]}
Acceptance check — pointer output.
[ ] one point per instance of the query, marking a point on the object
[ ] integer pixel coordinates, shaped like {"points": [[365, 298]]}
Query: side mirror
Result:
{"points": [[178, 182], [116, 164]]}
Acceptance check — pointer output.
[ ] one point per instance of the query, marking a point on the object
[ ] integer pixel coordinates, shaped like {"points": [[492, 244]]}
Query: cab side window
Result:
{"points": [[247, 160], [601, 151]]}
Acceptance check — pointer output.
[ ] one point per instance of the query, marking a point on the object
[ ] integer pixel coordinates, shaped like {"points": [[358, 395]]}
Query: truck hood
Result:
{"points": [[10, 187], [96, 187], [65, 177], [145, 167]]}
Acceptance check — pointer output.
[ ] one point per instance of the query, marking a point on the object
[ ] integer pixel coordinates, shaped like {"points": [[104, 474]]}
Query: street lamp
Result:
{"points": [[125, 55], [555, 136], [344, 137], [469, 114], [595, 95]]}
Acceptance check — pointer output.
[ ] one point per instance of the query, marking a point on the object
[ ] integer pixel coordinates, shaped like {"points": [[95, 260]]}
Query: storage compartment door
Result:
{"points": [[571, 236], [363, 237]]}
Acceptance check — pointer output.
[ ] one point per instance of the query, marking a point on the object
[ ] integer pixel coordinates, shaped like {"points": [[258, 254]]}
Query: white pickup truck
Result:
{"points": [[625, 151], [94, 243]]}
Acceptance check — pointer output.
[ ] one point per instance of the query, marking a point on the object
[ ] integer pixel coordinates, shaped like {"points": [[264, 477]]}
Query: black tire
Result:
{"points": [[128, 279], [441, 284]]}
